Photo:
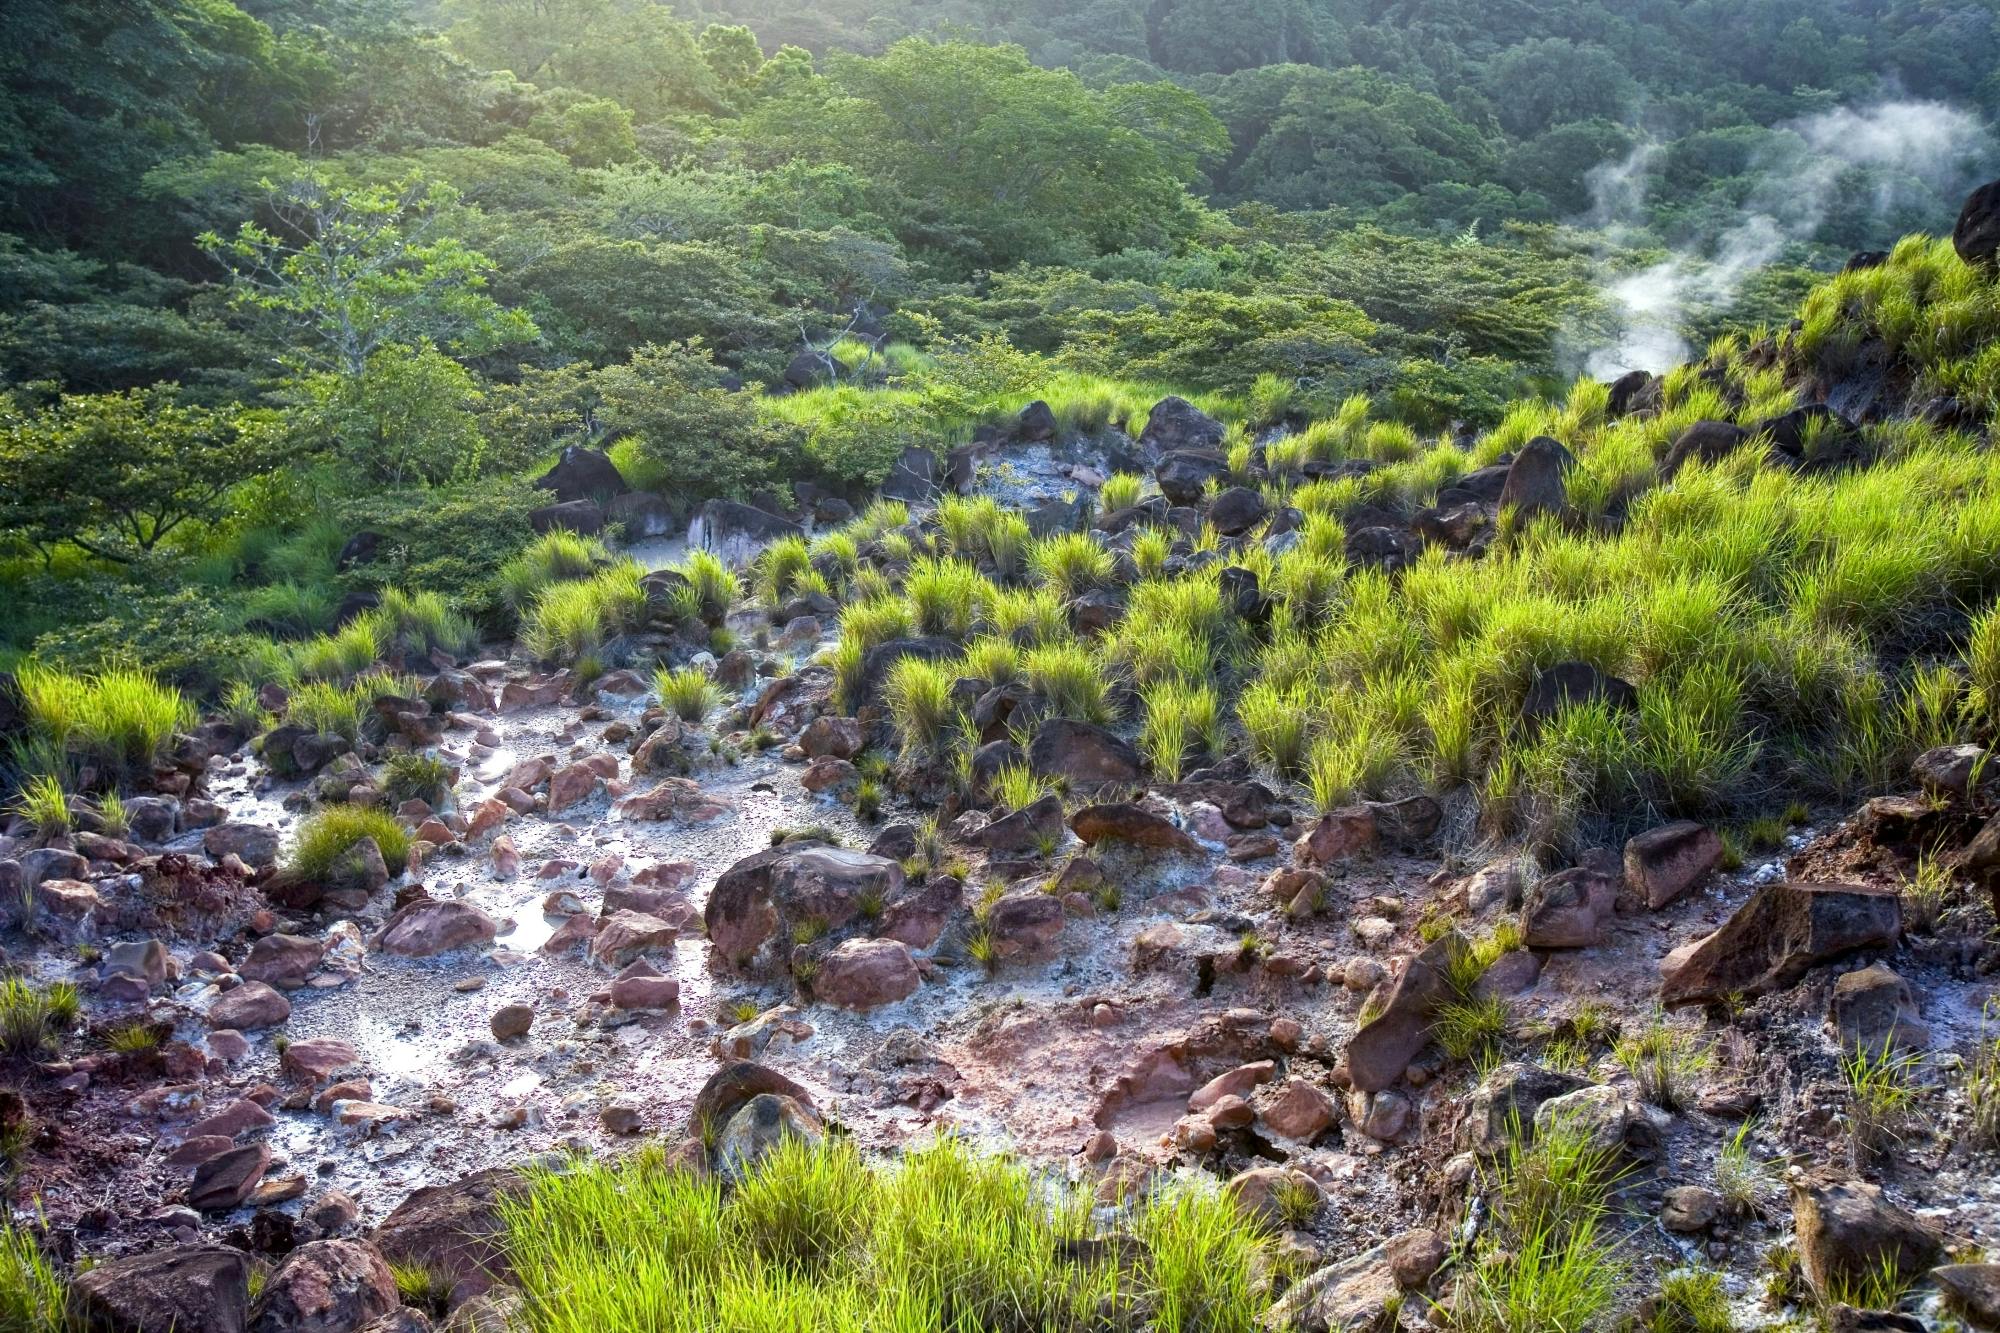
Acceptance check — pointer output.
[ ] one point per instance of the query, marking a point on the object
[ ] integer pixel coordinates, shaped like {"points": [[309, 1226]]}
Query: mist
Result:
{"points": [[1913, 146]]}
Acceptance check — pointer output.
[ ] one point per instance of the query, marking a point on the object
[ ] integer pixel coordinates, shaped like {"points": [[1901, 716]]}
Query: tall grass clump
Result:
{"points": [[714, 583], [780, 568], [33, 1018], [34, 1298], [121, 717], [1070, 679], [571, 619], [44, 804], [945, 596], [690, 694], [1180, 719], [415, 624], [327, 836], [920, 702], [1070, 563], [553, 557], [815, 1237], [1121, 490]]}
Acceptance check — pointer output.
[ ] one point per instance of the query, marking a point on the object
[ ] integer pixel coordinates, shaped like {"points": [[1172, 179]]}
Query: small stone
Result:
{"points": [[512, 1020]]}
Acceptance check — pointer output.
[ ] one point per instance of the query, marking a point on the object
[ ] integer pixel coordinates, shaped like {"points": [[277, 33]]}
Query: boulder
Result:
{"points": [[737, 531], [1378, 1054], [1123, 821], [284, 961], [1688, 1209], [1609, 1121], [1567, 910], [838, 737], [250, 1007], [765, 1121], [864, 974], [1569, 683], [1036, 423], [1237, 510], [1025, 925], [1027, 830], [253, 844], [1944, 770], [1849, 1231], [1634, 391], [1535, 479], [1663, 863], [1175, 423], [1873, 1010], [325, 1286], [625, 936], [732, 1087], [318, 1059], [1972, 1289], [641, 514], [1977, 235], [432, 926], [512, 1020], [224, 1181], [1300, 1111], [1184, 474], [1335, 835], [454, 1230], [1082, 753], [1777, 936], [1358, 1294], [914, 475], [1708, 441], [1259, 1193], [1505, 1102], [583, 517], [582, 474], [199, 1288]]}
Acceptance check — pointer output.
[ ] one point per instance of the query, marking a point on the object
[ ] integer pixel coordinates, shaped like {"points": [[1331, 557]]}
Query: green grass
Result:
{"points": [[327, 708], [817, 1238], [577, 617], [1466, 1029], [1181, 720], [43, 803], [1667, 1061], [123, 717], [1982, 1082], [1070, 680], [715, 585], [1739, 1177], [33, 1018], [133, 1039], [1121, 490], [1017, 786], [34, 1297], [416, 777], [946, 597], [1070, 563], [554, 557], [919, 695], [1692, 1300], [423, 1287], [689, 693], [414, 624], [325, 837], [1882, 1095]]}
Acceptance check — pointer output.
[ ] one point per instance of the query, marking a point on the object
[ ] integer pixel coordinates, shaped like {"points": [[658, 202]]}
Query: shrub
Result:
{"points": [[416, 777], [326, 837], [689, 693]]}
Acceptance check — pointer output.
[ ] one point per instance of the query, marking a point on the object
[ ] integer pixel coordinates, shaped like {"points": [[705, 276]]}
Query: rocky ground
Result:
{"points": [[615, 911]]}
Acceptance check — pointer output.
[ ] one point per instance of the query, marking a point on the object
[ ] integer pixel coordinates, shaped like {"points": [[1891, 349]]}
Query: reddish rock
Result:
{"points": [[862, 974], [454, 1230], [1567, 910], [250, 1007], [1849, 1231], [1126, 822], [1025, 925], [640, 986], [200, 1288], [512, 1020], [433, 926], [1778, 935], [253, 844], [1336, 834], [326, 1286], [1663, 863], [224, 1181], [679, 800], [1237, 1082], [839, 737], [282, 960], [1301, 1111], [318, 1059], [1378, 1054], [239, 1117], [827, 774], [571, 786], [627, 935]]}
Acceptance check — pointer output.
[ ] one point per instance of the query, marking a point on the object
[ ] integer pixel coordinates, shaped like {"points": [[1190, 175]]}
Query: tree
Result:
{"points": [[354, 270], [709, 440], [116, 473], [409, 417]]}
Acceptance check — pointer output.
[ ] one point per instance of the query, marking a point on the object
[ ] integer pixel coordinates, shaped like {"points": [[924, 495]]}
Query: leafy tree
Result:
{"points": [[589, 131], [1550, 81], [352, 271], [709, 440], [633, 52], [117, 473], [408, 418]]}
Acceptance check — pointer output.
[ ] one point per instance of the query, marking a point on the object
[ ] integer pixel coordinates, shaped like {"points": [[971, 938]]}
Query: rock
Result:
{"points": [[626, 936], [325, 1286], [1947, 770], [863, 974], [497, 1310], [1082, 753], [1567, 910], [1609, 1121], [1976, 237], [642, 515], [1025, 925], [1184, 475], [570, 786], [582, 474], [1663, 863], [773, 1032], [1260, 1193], [1415, 1256], [152, 819], [1382, 1116], [583, 517], [201, 1288], [1567, 684], [1036, 423], [1535, 479], [1378, 1054], [433, 926], [318, 1059], [282, 960], [1973, 1290], [763, 1122], [1237, 510], [732, 1087], [512, 1020], [737, 531], [827, 774], [1338, 834], [1175, 423], [1708, 441], [1634, 391], [1873, 1010], [250, 1007], [1690, 1208], [224, 1181], [1359, 1294], [914, 476], [1301, 1111], [454, 1231], [1410, 822], [253, 844], [1505, 1102], [1848, 1231], [1025, 831], [640, 986], [621, 1118], [839, 737], [144, 961], [402, 1320], [1125, 822], [1777, 936], [239, 1117]]}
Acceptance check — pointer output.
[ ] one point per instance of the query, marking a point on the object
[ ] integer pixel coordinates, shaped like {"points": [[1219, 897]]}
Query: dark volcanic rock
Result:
{"points": [[584, 517], [583, 474], [1082, 753], [189, 1288], [1977, 235], [1569, 683], [1709, 441], [1123, 821], [1175, 423], [1535, 480], [454, 1230], [1776, 937], [1184, 474]]}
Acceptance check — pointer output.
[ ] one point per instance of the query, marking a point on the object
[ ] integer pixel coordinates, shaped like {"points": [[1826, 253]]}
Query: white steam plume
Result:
{"points": [[1920, 141]]}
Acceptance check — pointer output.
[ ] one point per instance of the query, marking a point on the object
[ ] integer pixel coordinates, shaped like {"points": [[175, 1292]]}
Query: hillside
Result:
{"points": [[738, 667]]}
